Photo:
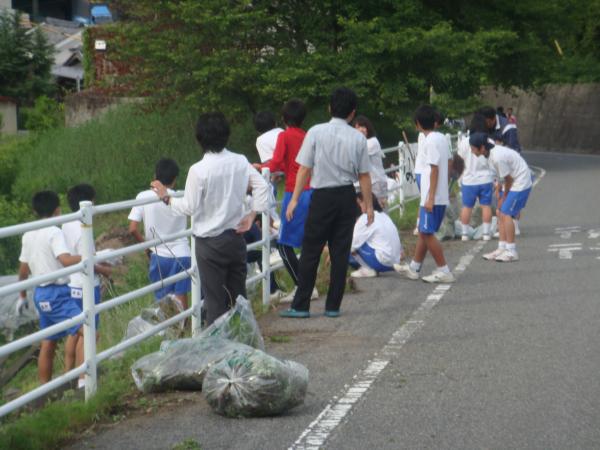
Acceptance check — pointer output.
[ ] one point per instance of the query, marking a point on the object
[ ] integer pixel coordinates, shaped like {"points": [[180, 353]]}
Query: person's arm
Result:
{"points": [[260, 199], [135, 232], [508, 183], [190, 201], [103, 269], [301, 179], [22, 300], [433, 182], [364, 180], [66, 259], [361, 233]]}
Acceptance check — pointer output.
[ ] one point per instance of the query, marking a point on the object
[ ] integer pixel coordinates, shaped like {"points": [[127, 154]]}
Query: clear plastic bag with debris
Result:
{"points": [[182, 364], [10, 320], [165, 308], [238, 324], [254, 384]]}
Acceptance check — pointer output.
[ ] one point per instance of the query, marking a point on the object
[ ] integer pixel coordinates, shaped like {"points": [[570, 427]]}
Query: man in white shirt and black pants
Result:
{"points": [[334, 155], [215, 192]]}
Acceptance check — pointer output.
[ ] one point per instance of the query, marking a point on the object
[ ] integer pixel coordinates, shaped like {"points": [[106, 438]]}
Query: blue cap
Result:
{"points": [[478, 139]]}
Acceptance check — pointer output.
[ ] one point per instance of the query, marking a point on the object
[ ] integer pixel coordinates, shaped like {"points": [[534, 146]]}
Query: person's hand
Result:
{"points": [[245, 224], [289, 214], [159, 188], [370, 216], [257, 166], [429, 205], [21, 305]]}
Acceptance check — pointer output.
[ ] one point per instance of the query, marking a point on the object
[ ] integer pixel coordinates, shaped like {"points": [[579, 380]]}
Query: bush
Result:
{"points": [[45, 114], [11, 213]]}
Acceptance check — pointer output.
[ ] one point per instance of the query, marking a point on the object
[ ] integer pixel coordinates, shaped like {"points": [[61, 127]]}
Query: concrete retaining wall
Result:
{"points": [[84, 106], [564, 118]]}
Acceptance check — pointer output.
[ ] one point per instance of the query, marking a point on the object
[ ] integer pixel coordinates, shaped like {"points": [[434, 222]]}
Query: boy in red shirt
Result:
{"points": [[291, 232]]}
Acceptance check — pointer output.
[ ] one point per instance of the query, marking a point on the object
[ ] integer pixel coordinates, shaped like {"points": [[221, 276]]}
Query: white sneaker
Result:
{"points": [[437, 276], [364, 272], [497, 234], [274, 258], [507, 256], [277, 296], [288, 298], [404, 269], [315, 294], [492, 255], [464, 237], [486, 237], [517, 229]]}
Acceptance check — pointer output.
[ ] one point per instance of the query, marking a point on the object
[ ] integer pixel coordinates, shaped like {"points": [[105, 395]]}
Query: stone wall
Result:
{"points": [[8, 113], [563, 118], [84, 106]]}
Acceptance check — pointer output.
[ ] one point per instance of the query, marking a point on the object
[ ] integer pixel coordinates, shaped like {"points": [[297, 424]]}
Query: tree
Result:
{"points": [[25, 60]]}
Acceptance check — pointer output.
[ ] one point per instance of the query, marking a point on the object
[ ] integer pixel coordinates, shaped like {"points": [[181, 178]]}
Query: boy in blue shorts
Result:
{"points": [[168, 258], [512, 198], [45, 251], [72, 233], [434, 199]]}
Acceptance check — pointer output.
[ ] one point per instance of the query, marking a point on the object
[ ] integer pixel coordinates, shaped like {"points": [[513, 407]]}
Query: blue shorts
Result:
{"points": [[367, 253], [162, 267], [77, 296], [470, 194], [55, 305], [418, 180], [430, 222], [514, 202], [291, 232]]}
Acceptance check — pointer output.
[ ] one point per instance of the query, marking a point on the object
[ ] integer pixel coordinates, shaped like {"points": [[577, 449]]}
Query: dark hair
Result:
{"points": [[264, 121], [488, 112], [376, 206], [439, 117], [166, 170], [425, 116], [363, 121], [212, 131], [500, 111], [80, 193], [478, 124], [44, 203], [478, 139], [342, 102], [293, 112]]}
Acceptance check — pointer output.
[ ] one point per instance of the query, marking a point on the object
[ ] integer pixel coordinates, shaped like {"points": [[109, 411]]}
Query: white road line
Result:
{"points": [[320, 429], [577, 227], [565, 245]]}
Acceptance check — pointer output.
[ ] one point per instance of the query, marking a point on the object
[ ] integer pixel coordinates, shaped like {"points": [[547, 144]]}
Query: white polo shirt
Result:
{"points": [[506, 161], [40, 250], [265, 144], [381, 236], [420, 164], [160, 221], [376, 157], [477, 170], [437, 153], [72, 233]]}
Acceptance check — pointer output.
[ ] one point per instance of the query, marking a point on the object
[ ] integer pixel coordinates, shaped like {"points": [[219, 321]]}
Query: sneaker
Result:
{"points": [[404, 269], [507, 256], [274, 258], [278, 295], [497, 234], [492, 255], [486, 237], [464, 237], [290, 297], [315, 294], [294, 314], [332, 314], [437, 276], [364, 272]]}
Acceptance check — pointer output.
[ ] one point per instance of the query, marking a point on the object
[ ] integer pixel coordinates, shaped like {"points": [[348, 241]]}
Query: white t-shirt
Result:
{"points": [[265, 144], [160, 221], [506, 161], [72, 233], [437, 153], [382, 236], [420, 164], [376, 157], [477, 170], [40, 250]]}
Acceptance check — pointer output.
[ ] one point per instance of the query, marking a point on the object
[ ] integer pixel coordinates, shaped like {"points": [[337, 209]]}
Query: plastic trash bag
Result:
{"points": [[10, 321], [182, 364], [166, 308], [254, 384], [238, 324]]}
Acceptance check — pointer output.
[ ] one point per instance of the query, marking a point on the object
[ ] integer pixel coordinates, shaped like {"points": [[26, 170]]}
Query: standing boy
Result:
{"points": [[512, 197], [45, 251], [168, 258], [336, 155], [434, 199], [215, 192], [264, 123]]}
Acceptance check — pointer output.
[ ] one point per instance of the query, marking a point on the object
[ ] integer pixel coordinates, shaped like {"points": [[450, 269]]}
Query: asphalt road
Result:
{"points": [[508, 357]]}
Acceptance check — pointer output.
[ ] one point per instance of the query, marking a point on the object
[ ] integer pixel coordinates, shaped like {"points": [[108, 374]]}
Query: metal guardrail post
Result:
{"points": [[266, 247], [196, 289], [401, 178], [89, 307]]}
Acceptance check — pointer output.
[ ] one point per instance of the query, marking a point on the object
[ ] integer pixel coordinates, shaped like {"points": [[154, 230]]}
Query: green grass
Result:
{"points": [[188, 444]]}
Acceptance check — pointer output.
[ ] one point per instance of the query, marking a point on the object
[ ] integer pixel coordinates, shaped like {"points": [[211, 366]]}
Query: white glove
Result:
{"points": [[21, 305]]}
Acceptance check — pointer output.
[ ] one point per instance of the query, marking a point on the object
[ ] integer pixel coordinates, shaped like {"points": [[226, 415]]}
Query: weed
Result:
{"points": [[188, 444]]}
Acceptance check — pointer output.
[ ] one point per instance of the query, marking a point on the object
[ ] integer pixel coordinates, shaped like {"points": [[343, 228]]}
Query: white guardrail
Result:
{"points": [[404, 171]]}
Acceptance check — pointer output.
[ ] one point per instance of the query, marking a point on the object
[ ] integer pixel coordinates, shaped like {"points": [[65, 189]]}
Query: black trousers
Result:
{"points": [[222, 265], [331, 218], [290, 261]]}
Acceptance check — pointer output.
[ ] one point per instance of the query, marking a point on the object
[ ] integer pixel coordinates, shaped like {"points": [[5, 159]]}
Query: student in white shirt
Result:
{"points": [[73, 234], [168, 258], [434, 199], [378, 176], [45, 251], [215, 192], [512, 197], [265, 124], [375, 248]]}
